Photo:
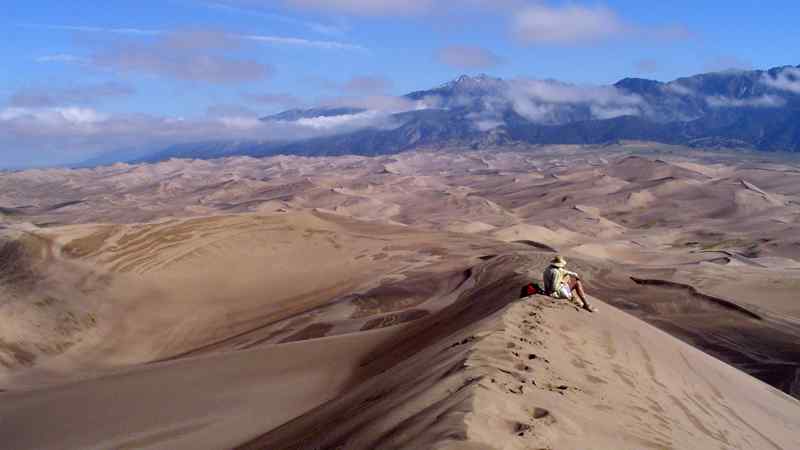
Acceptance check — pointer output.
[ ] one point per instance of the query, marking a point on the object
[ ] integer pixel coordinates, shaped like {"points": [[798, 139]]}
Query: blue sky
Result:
{"points": [[142, 64]]}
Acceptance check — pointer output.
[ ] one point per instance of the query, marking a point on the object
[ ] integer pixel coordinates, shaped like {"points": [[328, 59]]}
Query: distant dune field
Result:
{"points": [[360, 303]]}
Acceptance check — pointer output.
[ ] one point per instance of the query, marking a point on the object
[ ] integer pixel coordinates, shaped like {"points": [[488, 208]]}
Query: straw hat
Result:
{"points": [[559, 261]]}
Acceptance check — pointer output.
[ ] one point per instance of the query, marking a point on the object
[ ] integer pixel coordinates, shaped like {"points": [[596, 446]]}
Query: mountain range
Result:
{"points": [[754, 109]]}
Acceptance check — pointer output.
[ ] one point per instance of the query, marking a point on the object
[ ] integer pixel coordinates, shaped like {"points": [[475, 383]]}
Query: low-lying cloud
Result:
{"points": [[787, 79], [388, 104], [76, 132], [550, 102], [762, 101]]}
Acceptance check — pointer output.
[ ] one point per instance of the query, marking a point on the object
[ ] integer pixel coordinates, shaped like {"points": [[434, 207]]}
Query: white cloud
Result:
{"points": [[551, 91], [488, 124], [551, 102], [787, 79], [573, 24], [675, 87], [60, 132], [382, 103], [53, 116], [359, 120], [569, 24], [764, 101]]}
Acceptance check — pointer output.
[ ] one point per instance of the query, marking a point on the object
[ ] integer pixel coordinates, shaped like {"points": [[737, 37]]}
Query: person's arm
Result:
{"points": [[573, 274]]}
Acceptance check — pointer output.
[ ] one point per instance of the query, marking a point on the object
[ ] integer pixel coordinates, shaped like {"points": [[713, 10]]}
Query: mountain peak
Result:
{"points": [[637, 84], [481, 78]]}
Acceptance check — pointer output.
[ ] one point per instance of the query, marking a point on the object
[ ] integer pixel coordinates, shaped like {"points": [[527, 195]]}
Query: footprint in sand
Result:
{"points": [[540, 413]]}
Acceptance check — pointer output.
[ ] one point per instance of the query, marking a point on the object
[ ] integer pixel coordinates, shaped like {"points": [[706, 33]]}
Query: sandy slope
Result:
{"points": [[360, 303], [225, 282], [483, 372], [539, 374], [212, 402]]}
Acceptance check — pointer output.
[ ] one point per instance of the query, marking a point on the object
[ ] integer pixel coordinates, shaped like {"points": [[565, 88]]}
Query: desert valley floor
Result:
{"points": [[374, 302]]}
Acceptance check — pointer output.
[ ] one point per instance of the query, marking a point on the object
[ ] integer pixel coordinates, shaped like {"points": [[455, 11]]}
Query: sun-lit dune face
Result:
{"points": [[211, 237], [47, 306], [380, 288]]}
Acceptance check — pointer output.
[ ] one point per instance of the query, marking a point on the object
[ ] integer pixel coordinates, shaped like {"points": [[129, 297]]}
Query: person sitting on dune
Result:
{"points": [[562, 283]]}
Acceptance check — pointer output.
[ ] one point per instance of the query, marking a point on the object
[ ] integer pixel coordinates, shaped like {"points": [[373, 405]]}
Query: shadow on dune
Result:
{"points": [[493, 285], [759, 345], [537, 245]]}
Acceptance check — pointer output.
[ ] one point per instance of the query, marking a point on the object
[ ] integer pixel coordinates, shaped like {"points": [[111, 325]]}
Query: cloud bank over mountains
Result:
{"points": [[64, 120]]}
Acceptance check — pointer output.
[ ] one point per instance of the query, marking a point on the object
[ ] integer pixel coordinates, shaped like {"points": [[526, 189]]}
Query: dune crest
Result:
{"points": [[540, 374]]}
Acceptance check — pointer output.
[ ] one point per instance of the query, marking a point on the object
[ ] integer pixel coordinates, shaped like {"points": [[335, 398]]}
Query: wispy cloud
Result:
{"points": [[50, 97], [366, 7], [301, 42], [367, 84], [468, 57], [317, 27], [273, 99], [90, 29], [62, 58], [191, 56], [260, 38]]}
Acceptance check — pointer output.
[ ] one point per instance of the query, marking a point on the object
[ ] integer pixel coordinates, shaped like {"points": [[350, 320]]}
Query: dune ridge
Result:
{"points": [[541, 374]]}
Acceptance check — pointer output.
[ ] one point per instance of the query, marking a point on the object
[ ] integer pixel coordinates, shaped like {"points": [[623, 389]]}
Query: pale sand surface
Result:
{"points": [[534, 374], [297, 302], [539, 374]]}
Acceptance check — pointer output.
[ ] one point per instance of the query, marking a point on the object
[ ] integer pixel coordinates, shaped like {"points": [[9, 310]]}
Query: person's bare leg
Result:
{"points": [[582, 295], [577, 287]]}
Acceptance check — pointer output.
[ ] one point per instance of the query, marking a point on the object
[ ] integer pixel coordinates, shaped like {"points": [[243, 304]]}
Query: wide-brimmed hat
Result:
{"points": [[559, 261]]}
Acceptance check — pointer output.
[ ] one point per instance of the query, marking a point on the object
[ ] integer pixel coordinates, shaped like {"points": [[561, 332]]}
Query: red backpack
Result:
{"points": [[531, 289]]}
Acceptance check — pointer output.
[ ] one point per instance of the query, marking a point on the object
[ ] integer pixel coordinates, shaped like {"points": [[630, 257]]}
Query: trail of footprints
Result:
{"points": [[529, 370]]}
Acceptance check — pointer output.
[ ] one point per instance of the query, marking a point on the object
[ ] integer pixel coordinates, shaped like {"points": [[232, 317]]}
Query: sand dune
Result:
{"points": [[484, 372], [539, 374], [359, 302]]}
